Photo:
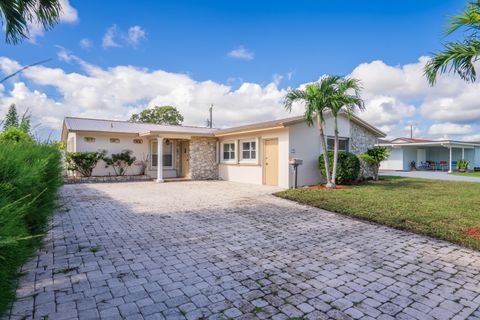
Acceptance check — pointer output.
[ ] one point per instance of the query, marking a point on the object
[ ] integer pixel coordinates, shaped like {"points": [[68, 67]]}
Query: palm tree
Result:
{"points": [[459, 56], [316, 97], [17, 14], [346, 99]]}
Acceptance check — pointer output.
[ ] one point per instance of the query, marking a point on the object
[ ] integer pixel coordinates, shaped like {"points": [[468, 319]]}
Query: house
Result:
{"points": [[429, 154], [258, 153]]}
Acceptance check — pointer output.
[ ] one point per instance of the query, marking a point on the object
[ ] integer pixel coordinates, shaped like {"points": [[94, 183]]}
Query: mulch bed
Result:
{"points": [[323, 187], [472, 232]]}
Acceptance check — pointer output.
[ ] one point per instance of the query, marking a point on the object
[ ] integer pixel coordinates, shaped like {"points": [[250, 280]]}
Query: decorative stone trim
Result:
{"points": [[203, 158], [361, 139], [105, 179]]}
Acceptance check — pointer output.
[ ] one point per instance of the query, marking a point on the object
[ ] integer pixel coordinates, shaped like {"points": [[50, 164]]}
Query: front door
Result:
{"points": [[270, 162], [421, 156], [185, 155]]}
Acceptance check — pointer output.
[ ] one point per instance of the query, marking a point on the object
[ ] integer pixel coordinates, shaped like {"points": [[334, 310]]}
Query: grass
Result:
{"points": [[467, 174], [440, 209]]}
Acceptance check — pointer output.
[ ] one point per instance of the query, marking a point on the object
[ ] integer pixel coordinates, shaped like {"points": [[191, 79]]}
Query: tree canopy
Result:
{"points": [[159, 115]]}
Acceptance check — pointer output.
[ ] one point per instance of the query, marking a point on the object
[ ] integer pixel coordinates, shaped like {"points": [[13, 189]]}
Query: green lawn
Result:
{"points": [[441, 209], [467, 174]]}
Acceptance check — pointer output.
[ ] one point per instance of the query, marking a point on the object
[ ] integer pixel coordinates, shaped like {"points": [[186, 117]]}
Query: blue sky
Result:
{"points": [[247, 46]]}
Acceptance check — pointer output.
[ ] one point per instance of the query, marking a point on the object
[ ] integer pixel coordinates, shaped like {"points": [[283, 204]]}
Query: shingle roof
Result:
{"points": [[99, 125]]}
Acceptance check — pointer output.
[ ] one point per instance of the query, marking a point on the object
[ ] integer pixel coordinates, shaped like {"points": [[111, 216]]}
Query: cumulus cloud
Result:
{"points": [[109, 38], [114, 37], [68, 15], [116, 93], [135, 35], [449, 128], [86, 43], [241, 53]]}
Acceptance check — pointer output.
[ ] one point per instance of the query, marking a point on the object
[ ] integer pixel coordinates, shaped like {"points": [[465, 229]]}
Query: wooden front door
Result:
{"points": [[270, 162], [185, 155]]}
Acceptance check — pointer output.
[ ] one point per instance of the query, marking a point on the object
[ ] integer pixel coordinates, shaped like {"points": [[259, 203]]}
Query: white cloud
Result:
{"points": [[86, 43], [68, 14], [241, 53], [114, 37], [108, 40], [449, 128], [135, 35], [472, 138]]}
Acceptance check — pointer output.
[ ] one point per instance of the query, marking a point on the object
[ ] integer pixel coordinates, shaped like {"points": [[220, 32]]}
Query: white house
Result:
{"points": [[258, 153], [429, 154]]}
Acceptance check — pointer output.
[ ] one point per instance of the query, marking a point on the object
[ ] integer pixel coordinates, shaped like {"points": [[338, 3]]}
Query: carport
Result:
{"points": [[432, 155]]}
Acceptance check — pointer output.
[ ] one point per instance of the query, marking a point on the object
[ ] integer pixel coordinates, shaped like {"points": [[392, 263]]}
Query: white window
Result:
{"points": [[114, 140], [342, 144], [89, 139], [248, 150], [167, 153], [228, 151]]}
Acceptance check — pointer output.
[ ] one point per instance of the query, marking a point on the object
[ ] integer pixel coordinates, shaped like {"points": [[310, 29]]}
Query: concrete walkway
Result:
{"points": [[220, 250], [435, 175]]}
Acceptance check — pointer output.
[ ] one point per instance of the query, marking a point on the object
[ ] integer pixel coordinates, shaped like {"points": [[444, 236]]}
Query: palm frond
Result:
{"points": [[457, 57], [469, 18]]}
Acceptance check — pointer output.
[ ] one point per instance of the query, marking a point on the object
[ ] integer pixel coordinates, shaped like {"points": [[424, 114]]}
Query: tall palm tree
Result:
{"points": [[459, 56], [18, 14], [346, 99], [317, 98]]}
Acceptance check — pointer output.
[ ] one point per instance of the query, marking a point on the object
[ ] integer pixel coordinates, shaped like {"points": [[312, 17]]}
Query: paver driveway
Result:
{"points": [[220, 250]]}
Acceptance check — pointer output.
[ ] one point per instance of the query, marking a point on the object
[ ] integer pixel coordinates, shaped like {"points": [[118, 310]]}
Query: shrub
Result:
{"points": [[15, 135], [348, 166], [120, 162], [30, 175], [83, 162], [374, 157]]}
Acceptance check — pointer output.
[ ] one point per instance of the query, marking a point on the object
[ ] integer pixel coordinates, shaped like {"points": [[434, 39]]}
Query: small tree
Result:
{"points": [[15, 135], [120, 162], [374, 157], [83, 162], [159, 115], [11, 119]]}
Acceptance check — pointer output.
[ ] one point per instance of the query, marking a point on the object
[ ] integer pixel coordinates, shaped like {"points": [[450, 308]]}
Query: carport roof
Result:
{"points": [[431, 143]]}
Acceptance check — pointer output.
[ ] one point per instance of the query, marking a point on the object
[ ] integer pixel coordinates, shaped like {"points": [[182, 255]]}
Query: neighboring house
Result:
{"points": [[258, 153], [429, 154]]}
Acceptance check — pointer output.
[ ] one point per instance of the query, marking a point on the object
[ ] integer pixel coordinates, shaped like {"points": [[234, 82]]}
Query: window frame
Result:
{"points": [[234, 150], [248, 160], [347, 143], [153, 165], [89, 139], [114, 140]]}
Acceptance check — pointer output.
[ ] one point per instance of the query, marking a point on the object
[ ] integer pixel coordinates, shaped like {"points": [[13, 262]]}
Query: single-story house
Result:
{"points": [[429, 154], [258, 153]]}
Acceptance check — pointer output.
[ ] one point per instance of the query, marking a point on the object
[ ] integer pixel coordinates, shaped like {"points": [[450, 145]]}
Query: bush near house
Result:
{"points": [[30, 175], [348, 167], [120, 162], [83, 162]]}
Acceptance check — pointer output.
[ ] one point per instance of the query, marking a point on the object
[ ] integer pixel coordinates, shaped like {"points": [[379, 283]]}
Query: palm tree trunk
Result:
{"points": [[325, 151], [335, 152]]}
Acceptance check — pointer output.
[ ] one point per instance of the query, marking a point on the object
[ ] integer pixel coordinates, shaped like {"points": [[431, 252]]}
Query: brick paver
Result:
{"points": [[219, 250]]}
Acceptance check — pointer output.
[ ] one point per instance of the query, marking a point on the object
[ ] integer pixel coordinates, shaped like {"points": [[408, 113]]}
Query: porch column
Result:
{"points": [[159, 159], [450, 162], [463, 153]]}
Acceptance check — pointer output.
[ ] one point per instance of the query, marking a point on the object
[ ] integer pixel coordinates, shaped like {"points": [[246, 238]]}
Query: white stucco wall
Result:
{"points": [[305, 144], [394, 161], [253, 172]]}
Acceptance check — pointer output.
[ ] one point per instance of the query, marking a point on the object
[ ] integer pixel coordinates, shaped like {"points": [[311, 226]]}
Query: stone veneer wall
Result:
{"points": [[203, 158], [361, 139]]}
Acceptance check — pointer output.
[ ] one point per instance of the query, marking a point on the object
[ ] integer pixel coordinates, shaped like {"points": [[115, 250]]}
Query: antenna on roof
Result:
{"points": [[210, 121]]}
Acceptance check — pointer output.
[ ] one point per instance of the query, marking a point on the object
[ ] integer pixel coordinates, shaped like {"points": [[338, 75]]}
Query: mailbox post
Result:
{"points": [[295, 163]]}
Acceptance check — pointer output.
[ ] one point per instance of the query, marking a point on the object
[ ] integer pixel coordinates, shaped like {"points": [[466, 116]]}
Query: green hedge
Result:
{"points": [[30, 175], [348, 167]]}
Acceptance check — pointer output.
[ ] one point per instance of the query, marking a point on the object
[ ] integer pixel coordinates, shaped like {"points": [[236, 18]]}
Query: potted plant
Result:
{"points": [[462, 165]]}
